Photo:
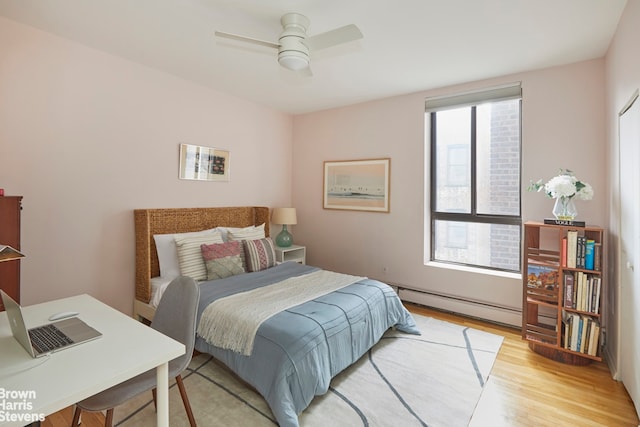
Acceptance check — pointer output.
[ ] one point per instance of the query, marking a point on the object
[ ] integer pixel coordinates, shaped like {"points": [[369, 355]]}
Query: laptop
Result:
{"points": [[48, 338]]}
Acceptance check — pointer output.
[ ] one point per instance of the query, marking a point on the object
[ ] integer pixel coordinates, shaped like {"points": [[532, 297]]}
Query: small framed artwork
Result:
{"points": [[203, 163], [360, 185]]}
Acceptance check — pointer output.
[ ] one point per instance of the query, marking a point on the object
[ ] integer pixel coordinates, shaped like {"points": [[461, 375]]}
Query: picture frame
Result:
{"points": [[203, 163], [358, 185]]}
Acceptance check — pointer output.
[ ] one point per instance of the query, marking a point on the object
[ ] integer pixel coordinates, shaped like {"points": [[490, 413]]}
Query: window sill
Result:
{"points": [[474, 270]]}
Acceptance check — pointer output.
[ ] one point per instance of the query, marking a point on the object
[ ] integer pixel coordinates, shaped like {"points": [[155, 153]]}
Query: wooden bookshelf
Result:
{"points": [[563, 287], [10, 211]]}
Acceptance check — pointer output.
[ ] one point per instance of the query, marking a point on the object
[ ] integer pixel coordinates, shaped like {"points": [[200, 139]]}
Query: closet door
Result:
{"points": [[629, 256]]}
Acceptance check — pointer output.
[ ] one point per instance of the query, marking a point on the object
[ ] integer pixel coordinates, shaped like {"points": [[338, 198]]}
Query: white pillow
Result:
{"points": [[168, 254], [225, 231], [190, 253], [247, 234], [158, 286]]}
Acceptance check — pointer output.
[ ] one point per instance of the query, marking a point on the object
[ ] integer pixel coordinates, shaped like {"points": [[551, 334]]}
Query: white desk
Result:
{"points": [[126, 349]]}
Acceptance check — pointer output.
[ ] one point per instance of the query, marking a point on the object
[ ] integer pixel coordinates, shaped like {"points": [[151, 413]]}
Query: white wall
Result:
{"points": [[622, 79], [563, 126], [87, 137]]}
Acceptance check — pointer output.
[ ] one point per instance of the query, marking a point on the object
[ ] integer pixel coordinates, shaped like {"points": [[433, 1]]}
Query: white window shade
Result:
{"points": [[500, 93]]}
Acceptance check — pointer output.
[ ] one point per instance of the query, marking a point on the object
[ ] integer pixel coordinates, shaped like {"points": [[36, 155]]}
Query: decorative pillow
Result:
{"points": [[190, 254], [247, 233], [222, 259], [259, 254], [168, 253]]}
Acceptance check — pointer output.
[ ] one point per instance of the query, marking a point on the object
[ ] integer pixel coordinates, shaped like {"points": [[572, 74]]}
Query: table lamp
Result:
{"points": [[7, 253], [284, 216]]}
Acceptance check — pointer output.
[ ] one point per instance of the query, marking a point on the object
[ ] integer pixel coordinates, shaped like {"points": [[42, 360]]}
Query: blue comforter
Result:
{"points": [[298, 351]]}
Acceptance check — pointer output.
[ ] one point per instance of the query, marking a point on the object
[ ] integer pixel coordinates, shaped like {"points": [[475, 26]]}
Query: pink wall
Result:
{"points": [[563, 127], [87, 137]]}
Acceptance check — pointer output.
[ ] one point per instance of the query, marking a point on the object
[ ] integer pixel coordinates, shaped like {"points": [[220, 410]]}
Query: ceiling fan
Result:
{"points": [[294, 45]]}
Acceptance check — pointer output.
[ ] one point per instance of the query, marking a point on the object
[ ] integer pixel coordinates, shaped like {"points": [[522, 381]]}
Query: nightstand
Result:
{"points": [[291, 253]]}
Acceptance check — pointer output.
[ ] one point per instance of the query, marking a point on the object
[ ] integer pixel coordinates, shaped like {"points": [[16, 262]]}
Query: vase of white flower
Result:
{"points": [[564, 188]]}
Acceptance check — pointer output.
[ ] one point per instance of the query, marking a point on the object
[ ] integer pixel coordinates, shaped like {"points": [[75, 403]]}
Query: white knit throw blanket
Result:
{"points": [[232, 322]]}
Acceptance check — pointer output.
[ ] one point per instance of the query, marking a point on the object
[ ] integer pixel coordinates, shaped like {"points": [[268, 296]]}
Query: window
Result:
{"points": [[474, 141], [458, 165]]}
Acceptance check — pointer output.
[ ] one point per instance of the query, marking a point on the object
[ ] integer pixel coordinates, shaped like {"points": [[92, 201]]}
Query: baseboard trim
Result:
{"points": [[611, 362], [494, 313]]}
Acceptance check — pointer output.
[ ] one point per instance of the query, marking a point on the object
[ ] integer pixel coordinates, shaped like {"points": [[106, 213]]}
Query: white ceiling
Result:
{"points": [[408, 45]]}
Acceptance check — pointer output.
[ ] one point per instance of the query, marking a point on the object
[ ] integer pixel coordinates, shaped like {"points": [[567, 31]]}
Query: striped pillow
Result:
{"points": [[259, 254], [190, 254], [168, 253]]}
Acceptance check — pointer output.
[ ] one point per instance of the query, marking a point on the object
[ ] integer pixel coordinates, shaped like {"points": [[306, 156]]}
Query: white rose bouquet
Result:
{"points": [[565, 185]]}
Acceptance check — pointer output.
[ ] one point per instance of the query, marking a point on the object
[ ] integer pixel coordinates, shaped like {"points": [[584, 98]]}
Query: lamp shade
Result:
{"points": [[284, 216]]}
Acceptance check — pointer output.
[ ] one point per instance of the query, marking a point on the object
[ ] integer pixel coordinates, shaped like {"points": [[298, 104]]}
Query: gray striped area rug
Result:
{"points": [[434, 379]]}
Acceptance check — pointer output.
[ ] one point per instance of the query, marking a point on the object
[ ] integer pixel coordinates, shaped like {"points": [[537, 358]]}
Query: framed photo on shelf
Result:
{"points": [[360, 185], [203, 163]]}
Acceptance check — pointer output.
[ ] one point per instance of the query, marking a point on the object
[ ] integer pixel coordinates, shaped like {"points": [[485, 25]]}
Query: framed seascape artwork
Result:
{"points": [[361, 185], [203, 163]]}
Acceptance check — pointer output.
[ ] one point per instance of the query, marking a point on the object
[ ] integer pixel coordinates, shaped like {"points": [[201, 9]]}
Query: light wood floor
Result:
{"points": [[524, 389], [528, 390]]}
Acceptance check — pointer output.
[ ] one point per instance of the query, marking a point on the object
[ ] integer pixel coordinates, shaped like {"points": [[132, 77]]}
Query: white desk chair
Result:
{"points": [[176, 318]]}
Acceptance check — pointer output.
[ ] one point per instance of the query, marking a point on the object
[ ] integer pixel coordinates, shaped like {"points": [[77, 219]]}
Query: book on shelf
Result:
{"points": [[597, 256], [570, 223], [542, 282], [580, 251], [584, 304], [568, 290], [589, 254], [585, 323], [579, 290], [593, 283], [563, 258], [596, 305], [567, 325], [587, 292], [572, 247], [575, 332], [590, 294], [594, 338]]}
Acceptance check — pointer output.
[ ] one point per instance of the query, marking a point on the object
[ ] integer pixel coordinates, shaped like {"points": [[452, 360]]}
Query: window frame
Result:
{"points": [[472, 100]]}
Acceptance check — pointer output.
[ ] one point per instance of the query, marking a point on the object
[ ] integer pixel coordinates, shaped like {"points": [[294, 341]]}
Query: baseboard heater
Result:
{"points": [[482, 310]]}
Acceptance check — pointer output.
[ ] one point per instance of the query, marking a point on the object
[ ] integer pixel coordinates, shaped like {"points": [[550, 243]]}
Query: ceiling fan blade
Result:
{"points": [[335, 37], [246, 39]]}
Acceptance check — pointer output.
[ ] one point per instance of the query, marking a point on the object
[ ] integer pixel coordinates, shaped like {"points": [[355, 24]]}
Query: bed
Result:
{"points": [[149, 222], [292, 354]]}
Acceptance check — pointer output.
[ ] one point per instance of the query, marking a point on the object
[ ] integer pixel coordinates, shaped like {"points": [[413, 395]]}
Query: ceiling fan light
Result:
{"points": [[294, 61]]}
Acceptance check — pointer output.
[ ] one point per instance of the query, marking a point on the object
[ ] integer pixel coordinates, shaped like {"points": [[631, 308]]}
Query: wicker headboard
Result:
{"points": [[164, 221]]}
